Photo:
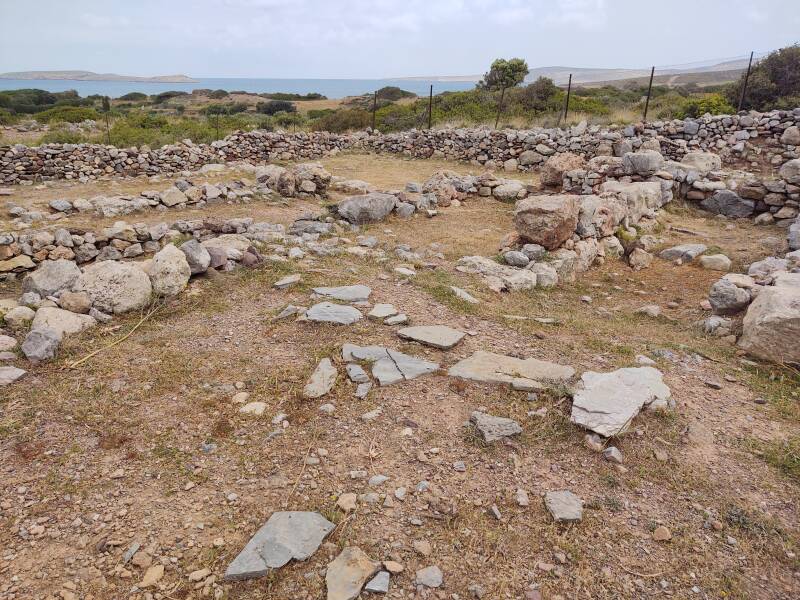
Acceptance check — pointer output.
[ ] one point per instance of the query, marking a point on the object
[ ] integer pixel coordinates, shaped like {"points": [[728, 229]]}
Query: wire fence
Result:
{"points": [[716, 72]]}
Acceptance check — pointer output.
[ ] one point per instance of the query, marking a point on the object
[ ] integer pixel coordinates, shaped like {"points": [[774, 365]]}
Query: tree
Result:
{"points": [[502, 75], [275, 106], [539, 95], [774, 82]]}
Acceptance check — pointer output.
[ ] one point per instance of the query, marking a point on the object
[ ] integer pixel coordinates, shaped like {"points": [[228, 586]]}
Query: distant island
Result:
{"points": [[89, 76]]}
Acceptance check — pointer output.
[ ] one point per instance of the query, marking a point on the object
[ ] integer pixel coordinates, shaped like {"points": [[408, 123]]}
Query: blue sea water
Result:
{"points": [[332, 88]]}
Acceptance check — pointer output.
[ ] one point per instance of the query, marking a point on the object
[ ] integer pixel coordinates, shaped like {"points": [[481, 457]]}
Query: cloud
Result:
{"points": [[552, 14]]}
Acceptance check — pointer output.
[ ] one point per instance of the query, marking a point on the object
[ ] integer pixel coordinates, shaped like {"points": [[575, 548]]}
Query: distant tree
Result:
{"points": [[394, 93], [774, 82], [539, 95], [134, 97], [218, 94], [504, 74], [275, 106]]}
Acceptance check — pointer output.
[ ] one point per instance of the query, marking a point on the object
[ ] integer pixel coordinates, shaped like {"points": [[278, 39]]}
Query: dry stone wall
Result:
{"points": [[731, 136]]}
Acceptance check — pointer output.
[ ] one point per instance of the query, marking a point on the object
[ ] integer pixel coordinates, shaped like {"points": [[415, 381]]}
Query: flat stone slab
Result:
{"points": [[356, 373], [389, 366], [606, 403], [348, 573], [322, 380], [346, 293], [382, 311], [488, 367], [565, 506], [438, 336], [9, 375], [287, 281], [464, 295], [494, 428], [685, 252], [378, 584], [285, 536], [327, 312]]}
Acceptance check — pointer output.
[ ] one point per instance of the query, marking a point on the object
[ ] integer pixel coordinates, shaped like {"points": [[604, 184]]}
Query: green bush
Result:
{"points": [[67, 114], [393, 93], [6, 118], [275, 106], [296, 97], [134, 97], [218, 94], [30, 101], [714, 104], [165, 96], [62, 136], [342, 120], [774, 80]]}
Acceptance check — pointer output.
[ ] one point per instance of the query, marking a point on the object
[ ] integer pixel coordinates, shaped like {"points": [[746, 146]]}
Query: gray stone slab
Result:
{"points": [[438, 336], [346, 293], [494, 428], [326, 312], [488, 367], [285, 536], [565, 506]]}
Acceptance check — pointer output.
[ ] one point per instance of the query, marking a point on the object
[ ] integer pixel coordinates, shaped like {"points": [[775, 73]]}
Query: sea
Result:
{"points": [[332, 88]]}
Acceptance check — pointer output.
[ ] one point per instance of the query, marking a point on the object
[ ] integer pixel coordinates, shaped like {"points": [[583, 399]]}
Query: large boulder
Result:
{"points": [[172, 197], [115, 287], [599, 215], [169, 271], [641, 197], [509, 191], [644, 162], [726, 298], [791, 136], [728, 203], [51, 277], [197, 256], [771, 327], [547, 220], [702, 162], [369, 208], [790, 171], [552, 174], [41, 344], [62, 321]]}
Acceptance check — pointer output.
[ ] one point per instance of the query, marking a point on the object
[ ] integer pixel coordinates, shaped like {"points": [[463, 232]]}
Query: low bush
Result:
{"points": [[714, 104], [67, 114], [275, 106], [134, 97], [342, 120]]}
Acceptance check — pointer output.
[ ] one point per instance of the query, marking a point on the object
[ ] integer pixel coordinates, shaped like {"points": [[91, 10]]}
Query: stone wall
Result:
{"points": [[731, 136]]}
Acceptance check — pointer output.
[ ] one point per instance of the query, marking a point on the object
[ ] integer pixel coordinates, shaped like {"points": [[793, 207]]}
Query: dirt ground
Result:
{"points": [[142, 443]]}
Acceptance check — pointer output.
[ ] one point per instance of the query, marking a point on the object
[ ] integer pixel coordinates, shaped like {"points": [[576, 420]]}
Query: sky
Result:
{"points": [[381, 38]]}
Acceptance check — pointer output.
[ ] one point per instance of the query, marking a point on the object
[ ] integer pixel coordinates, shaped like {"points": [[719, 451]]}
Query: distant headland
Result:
{"points": [[90, 76]]}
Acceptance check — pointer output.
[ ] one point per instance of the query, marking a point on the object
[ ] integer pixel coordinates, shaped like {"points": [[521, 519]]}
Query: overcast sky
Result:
{"points": [[380, 38]]}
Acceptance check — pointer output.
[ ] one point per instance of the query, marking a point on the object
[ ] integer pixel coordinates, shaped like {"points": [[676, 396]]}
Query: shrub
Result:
{"points": [[6, 118], [275, 106], [774, 80], [343, 120], [165, 96], [68, 114], [288, 96], [218, 94], [393, 93], [714, 104], [62, 136], [134, 97], [541, 95]]}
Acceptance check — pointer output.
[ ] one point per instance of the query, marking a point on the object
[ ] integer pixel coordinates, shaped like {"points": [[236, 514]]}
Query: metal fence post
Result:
{"points": [[566, 102], [649, 89], [430, 108], [374, 108], [744, 84]]}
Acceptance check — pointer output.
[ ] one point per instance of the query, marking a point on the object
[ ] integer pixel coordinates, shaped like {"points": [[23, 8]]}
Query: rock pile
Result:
{"points": [[769, 297]]}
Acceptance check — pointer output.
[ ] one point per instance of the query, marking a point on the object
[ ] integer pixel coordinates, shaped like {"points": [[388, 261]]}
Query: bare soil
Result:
{"points": [[111, 452]]}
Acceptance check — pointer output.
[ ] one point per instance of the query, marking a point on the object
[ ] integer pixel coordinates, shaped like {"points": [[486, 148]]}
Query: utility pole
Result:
{"points": [[744, 85]]}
